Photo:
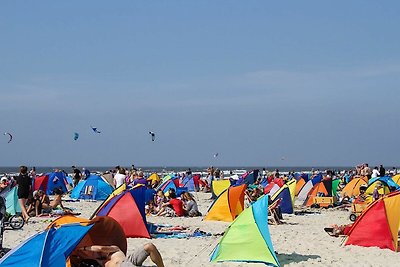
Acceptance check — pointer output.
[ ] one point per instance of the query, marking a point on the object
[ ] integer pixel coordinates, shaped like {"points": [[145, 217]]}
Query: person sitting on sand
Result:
{"points": [[190, 205], [159, 199], [34, 205], [174, 207], [150, 208], [52, 206], [112, 256]]}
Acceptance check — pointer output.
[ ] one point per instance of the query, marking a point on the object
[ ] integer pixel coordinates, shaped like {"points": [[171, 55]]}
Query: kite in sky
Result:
{"points": [[10, 137], [153, 136], [76, 136], [215, 155], [95, 129]]}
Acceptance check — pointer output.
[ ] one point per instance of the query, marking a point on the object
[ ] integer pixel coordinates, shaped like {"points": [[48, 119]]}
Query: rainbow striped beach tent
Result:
{"points": [[247, 239]]}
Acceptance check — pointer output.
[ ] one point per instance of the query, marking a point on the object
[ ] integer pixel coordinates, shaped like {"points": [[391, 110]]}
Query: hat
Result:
{"points": [[3, 179], [35, 193]]}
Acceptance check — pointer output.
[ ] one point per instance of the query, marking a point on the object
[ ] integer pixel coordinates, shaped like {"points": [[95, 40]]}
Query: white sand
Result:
{"points": [[301, 241]]}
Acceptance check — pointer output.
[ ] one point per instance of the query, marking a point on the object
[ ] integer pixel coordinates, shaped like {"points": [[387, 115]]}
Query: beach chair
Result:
{"points": [[273, 213]]}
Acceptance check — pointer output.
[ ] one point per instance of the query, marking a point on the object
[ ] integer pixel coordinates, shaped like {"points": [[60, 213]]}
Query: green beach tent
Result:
{"points": [[247, 239]]}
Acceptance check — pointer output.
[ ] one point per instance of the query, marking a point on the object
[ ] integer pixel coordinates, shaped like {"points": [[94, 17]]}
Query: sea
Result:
{"points": [[169, 169]]}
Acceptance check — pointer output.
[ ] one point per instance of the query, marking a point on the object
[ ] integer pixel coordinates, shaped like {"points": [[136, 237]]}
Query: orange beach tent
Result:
{"points": [[228, 205]]}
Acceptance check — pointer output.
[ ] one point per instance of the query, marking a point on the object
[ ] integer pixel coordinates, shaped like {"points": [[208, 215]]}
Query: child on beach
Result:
{"points": [[190, 205], [174, 207]]}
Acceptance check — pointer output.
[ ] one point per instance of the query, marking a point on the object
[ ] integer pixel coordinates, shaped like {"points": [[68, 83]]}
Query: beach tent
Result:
{"points": [[51, 181], [228, 205], [248, 178], [396, 179], [352, 189], [109, 178], [378, 225], [247, 239], [48, 248], [153, 179], [219, 186], [168, 183], [335, 186], [127, 209], [188, 182], [271, 188], [52, 247], [320, 187], [387, 182], [10, 195], [94, 187], [302, 195], [286, 192], [299, 185], [196, 179]]}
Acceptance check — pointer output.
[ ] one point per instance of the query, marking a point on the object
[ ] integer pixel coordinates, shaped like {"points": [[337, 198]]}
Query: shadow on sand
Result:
{"points": [[294, 257]]}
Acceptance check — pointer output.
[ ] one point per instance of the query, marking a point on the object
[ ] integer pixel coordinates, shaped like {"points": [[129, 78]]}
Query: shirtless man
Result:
{"points": [[112, 256]]}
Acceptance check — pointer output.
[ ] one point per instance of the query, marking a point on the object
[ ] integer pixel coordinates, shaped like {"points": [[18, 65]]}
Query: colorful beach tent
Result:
{"points": [[299, 185], [51, 181], [105, 231], [320, 187], [352, 189], [219, 186], [396, 179], [228, 205], [50, 248], [127, 208], [94, 187], [303, 193], [188, 182], [378, 225], [286, 193], [153, 179], [388, 185], [247, 239]]}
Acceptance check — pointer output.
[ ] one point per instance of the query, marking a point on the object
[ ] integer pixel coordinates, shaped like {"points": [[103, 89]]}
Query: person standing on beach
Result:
{"points": [[382, 171], [119, 178], [24, 183], [77, 175]]}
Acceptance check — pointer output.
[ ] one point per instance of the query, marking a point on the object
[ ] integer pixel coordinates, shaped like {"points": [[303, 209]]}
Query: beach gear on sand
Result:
{"points": [[247, 239], [128, 209], [93, 188], [228, 205], [53, 246], [378, 225]]}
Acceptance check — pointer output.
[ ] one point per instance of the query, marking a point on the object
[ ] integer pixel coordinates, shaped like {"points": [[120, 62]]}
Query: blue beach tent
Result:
{"points": [[94, 187], [188, 182], [56, 180], [50, 248]]}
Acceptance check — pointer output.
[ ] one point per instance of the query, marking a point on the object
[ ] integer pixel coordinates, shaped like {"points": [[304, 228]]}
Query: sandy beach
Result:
{"points": [[300, 241]]}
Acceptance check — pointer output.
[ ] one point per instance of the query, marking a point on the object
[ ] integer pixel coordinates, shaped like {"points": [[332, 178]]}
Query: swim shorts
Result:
{"points": [[136, 258]]}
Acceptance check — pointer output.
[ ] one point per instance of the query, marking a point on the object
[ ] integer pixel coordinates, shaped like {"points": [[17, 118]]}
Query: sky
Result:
{"points": [[261, 83]]}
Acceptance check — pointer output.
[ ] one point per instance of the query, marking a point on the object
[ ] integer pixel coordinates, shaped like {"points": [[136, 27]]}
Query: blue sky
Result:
{"points": [[313, 82]]}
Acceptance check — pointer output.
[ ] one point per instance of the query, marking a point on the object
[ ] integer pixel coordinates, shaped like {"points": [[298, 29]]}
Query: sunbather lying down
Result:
{"points": [[338, 230]]}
